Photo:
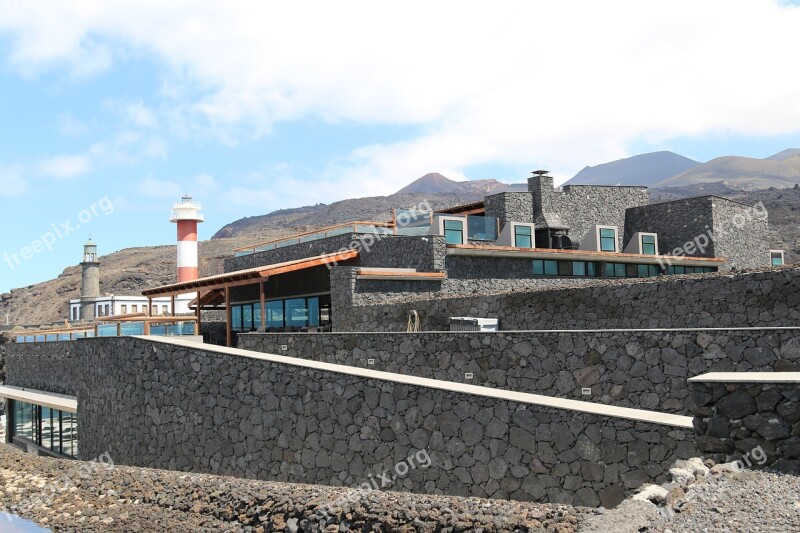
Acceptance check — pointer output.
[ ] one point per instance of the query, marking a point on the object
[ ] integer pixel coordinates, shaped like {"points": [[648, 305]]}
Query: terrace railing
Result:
{"points": [[329, 231], [117, 326]]}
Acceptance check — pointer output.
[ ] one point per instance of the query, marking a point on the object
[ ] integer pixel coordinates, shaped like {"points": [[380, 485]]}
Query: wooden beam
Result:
{"points": [[228, 333], [197, 315], [263, 298]]}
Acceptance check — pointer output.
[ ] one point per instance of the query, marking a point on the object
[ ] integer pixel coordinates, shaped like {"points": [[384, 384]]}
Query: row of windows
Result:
{"points": [[51, 429], [289, 313], [627, 270], [105, 310], [689, 270], [564, 268], [546, 267]]}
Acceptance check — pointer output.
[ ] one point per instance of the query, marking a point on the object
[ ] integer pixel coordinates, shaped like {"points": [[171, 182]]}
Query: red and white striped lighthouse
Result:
{"points": [[187, 214]]}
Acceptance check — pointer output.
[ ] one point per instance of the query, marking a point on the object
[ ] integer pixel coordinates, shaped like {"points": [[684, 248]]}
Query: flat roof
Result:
{"points": [[52, 400], [747, 377], [639, 415]]}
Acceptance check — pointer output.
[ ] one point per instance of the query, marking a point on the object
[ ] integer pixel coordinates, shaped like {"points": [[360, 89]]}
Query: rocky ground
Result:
{"points": [[719, 499], [80, 496], [77, 496]]}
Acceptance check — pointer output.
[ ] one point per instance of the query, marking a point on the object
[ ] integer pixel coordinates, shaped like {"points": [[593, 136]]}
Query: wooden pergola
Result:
{"points": [[214, 292]]}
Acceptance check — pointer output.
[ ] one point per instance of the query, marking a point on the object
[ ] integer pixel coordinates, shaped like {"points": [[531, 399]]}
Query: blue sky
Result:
{"points": [[253, 108]]}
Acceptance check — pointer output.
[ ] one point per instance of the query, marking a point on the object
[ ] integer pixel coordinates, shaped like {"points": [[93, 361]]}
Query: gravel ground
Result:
{"points": [[77, 496], [748, 501]]}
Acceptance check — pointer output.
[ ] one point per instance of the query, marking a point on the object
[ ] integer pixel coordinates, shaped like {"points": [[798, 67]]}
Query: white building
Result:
{"points": [[110, 305]]}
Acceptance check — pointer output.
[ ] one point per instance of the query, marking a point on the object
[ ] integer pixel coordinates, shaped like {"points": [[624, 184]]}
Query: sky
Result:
{"points": [[110, 111]]}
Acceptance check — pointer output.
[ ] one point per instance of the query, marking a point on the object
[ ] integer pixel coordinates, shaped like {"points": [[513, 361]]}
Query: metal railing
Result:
{"points": [[117, 326], [329, 231]]}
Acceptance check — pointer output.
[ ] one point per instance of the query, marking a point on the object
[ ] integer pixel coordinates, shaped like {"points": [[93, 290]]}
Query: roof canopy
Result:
{"points": [[248, 276]]}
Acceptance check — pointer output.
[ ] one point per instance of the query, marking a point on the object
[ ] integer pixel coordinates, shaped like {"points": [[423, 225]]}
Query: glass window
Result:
{"points": [[236, 317], [247, 317], [648, 244], [551, 268], [522, 237], [647, 271], [616, 270], [313, 311], [538, 267], [776, 258], [296, 312], [591, 268], [564, 268], [578, 268], [256, 316], [275, 314], [134, 308], [453, 232], [608, 240], [123, 309]]}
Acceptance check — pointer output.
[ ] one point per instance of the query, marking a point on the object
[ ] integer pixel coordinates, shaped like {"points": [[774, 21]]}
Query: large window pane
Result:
{"points": [[551, 268], [257, 316], [578, 268], [454, 232], [296, 312], [648, 245], [313, 311], [275, 314], [522, 237], [236, 318], [538, 267], [608, 240], [247, 317]]}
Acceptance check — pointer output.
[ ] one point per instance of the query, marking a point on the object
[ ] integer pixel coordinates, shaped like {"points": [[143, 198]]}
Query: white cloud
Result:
{"points": [[140, 115], [65, 166], [71, 126], [12, 181], [546, 84]]}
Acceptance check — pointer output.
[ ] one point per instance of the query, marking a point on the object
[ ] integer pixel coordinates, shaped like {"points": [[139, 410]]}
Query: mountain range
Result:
{"points": [[660, 170]]}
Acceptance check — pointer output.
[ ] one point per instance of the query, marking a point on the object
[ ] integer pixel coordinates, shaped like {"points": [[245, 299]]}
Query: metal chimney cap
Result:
{"points": [[540, 172]]}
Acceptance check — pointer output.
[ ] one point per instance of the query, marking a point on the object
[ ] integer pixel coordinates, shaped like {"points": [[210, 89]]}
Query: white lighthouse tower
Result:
{"points": [[186, 215]]}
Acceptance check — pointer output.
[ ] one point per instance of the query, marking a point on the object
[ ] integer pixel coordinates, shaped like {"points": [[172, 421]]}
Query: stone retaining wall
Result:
{"points": [[161, 405], [767, 297], [755, 423], [641, 369]]}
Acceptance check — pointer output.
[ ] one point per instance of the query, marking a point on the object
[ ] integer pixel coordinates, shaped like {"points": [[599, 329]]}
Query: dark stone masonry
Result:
{"points": [[755, 423], [758, 298], [706, 226], [199, 409], [640, 369]]}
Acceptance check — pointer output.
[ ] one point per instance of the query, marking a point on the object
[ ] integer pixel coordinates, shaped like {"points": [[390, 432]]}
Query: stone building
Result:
{"points": [[517, 241]]}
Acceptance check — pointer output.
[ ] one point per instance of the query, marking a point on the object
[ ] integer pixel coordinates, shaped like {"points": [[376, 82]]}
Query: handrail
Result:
{"points": [[117, 320], [354, 224]]}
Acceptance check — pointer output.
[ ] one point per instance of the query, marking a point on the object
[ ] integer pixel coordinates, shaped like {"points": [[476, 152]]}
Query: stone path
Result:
{"points": [[79, 496]]}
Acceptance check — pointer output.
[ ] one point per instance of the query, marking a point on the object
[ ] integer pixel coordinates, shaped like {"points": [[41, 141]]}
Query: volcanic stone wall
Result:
{"points": [[759, 298], [161, 405], [755, 423], [510, 207], [3, 341], [580, 207], [640, 369], [708, 226], [398, 251]]}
